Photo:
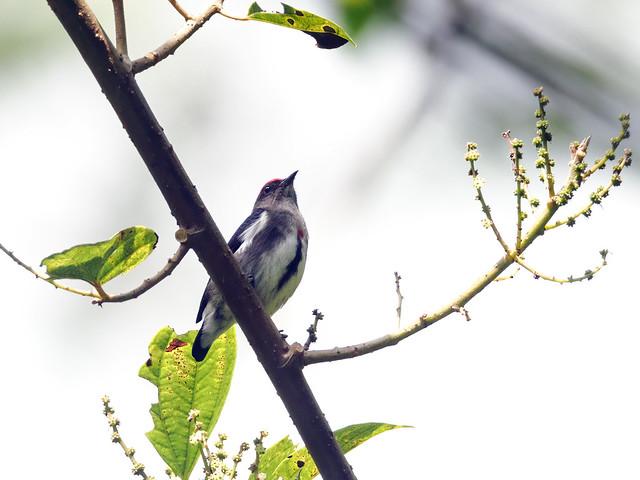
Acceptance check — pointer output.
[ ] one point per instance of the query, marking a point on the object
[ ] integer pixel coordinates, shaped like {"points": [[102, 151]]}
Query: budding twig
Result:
{"points": [[472, 157], [588, 274], [400, 297], [542, 139], [313, 329], [515, 146], [137, 467], [598, 195]]}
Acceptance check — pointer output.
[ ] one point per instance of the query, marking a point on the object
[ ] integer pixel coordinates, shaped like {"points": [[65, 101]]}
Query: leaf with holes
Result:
{"points": [[184, 384], [97, 263], [283, 460], [327, 33]]}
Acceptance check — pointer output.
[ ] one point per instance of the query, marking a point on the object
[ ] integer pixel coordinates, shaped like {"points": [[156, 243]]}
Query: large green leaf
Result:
{"points": [[184, 384], [97, 263], [327, 33], [281, 460]]}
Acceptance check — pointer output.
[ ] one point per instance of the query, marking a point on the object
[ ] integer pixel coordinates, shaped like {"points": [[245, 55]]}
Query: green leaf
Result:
{"points": [[184, 384], [327, 33], [97, 263], [282, 460], [271, 459]]}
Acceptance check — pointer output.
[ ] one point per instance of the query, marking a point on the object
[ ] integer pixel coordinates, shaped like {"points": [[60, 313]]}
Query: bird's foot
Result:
{"points": [[251, 280], [293, 355]]}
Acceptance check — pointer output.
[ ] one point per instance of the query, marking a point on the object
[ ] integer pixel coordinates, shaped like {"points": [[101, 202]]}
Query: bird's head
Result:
{"points": [[278, 193]]}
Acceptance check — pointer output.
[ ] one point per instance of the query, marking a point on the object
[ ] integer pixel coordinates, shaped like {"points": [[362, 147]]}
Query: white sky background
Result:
{"points": [[543, 383]]}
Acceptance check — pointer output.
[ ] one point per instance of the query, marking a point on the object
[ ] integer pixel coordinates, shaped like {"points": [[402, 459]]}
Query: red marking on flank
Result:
{"points": [[175, 343]]}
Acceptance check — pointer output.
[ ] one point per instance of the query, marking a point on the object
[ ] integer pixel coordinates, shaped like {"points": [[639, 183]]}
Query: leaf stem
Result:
{"points": [[45, 278]]}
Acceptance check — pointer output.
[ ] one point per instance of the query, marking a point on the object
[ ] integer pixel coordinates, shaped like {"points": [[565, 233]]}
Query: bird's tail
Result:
{"points": [[211, 329]]}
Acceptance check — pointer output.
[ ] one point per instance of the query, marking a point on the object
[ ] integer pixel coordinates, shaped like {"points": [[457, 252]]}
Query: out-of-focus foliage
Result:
{"points": [[359, 14]]}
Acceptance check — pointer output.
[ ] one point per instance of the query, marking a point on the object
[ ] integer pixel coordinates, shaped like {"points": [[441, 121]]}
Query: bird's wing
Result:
{"points": [[236, 241], [203, 302], [237, 238]]}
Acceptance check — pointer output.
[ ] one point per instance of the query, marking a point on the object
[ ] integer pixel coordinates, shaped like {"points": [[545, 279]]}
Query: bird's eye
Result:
{"points": [[267, 189]]}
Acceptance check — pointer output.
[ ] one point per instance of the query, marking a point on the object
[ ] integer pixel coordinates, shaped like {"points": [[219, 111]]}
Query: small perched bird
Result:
{"points": [[271, 248]]}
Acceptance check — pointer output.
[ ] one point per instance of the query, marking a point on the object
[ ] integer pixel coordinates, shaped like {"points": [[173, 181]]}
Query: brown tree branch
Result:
{"points": [[122, 91], [148, 283], [170, 46]]}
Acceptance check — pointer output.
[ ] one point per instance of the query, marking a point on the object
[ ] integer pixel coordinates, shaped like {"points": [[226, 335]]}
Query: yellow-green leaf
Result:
{"points": [[281, 460], [184, 384], [97, 263], [327, 33]]}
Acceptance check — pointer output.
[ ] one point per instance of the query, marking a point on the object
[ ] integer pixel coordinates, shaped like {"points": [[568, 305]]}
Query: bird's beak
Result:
{"points": [[289, 180]]}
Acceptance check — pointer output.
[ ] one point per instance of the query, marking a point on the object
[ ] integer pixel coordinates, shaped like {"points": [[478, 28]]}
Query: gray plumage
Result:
{"points": [[271, 248]]}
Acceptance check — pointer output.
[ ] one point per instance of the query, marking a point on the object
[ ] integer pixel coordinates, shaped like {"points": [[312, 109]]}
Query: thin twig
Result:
{"points": [[186, 15], [137, 467], [121, 28], [313, 329], [47, 279], [508, 277], [545, 136], [400, 297], [233, 17], [463, 311], [588, 274], [150, 282], [597, 196], [472, 156], [625, 119], [170, 46], [514, 153]]}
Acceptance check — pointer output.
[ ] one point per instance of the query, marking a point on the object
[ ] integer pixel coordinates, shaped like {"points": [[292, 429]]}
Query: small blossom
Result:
{"points": [[479, 182], [193, 414], [199, 436], [486, 223]]}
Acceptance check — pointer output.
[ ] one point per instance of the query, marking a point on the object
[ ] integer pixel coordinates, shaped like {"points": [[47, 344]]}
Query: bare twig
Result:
{"points": [[400, 297], [233, 17], [170, 46], [137, 468], [47, 279], [186, 15], [588, 274], [148, 283], [121, 29], [463, 311], [313, 329], [508, 277]]}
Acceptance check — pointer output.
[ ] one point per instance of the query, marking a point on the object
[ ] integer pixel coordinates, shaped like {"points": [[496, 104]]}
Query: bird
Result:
{"points": [[271, 249]]}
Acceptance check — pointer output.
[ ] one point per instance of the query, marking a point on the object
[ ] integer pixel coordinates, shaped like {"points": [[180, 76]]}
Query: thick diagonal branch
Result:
{"points": [[187, 207]]}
